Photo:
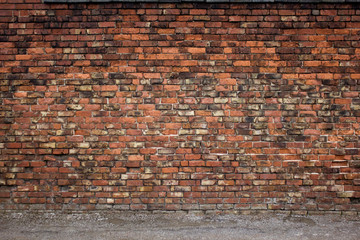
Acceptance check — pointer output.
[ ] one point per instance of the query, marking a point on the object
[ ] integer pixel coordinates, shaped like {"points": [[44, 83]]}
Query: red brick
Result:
{"points": [[194, 50], [311, 132], [100, 182], [242, 63], [109, 88], [198, 12], [135, 158], [177, 107], [170, 170]]}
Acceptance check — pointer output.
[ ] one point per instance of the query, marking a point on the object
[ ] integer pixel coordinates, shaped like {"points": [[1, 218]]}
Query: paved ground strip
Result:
{"points": [[120, 225]]}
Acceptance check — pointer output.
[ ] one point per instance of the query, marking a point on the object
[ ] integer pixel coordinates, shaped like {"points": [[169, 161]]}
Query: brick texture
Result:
{"points": [[182, 106]]}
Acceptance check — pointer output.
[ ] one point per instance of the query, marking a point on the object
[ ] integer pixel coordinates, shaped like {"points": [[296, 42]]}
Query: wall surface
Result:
{"points": [[182, 106]]}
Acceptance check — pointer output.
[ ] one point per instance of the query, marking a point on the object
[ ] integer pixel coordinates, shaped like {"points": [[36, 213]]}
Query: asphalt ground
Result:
{"points": [[132, 225]]}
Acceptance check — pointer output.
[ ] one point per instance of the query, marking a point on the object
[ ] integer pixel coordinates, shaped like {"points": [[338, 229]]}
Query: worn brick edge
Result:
{"points": [[204, 1], [267, 212]]}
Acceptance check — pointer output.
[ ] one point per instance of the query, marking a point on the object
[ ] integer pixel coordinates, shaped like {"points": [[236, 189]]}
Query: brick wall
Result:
{"points": [[180, 106]]}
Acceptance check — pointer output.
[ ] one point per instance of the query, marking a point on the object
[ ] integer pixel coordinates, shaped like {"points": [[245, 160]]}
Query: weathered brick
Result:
{"points": [[180, 106]]}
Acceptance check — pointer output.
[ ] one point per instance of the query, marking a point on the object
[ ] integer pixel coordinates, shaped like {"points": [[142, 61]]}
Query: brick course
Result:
{"points": [[184, 106]]}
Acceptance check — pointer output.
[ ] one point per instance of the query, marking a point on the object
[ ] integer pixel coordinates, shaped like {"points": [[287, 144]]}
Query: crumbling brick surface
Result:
{"points": [[182, 106]]}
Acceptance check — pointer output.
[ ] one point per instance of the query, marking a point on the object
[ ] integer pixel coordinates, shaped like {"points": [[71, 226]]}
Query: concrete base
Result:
{"points": [[176, 225]]}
